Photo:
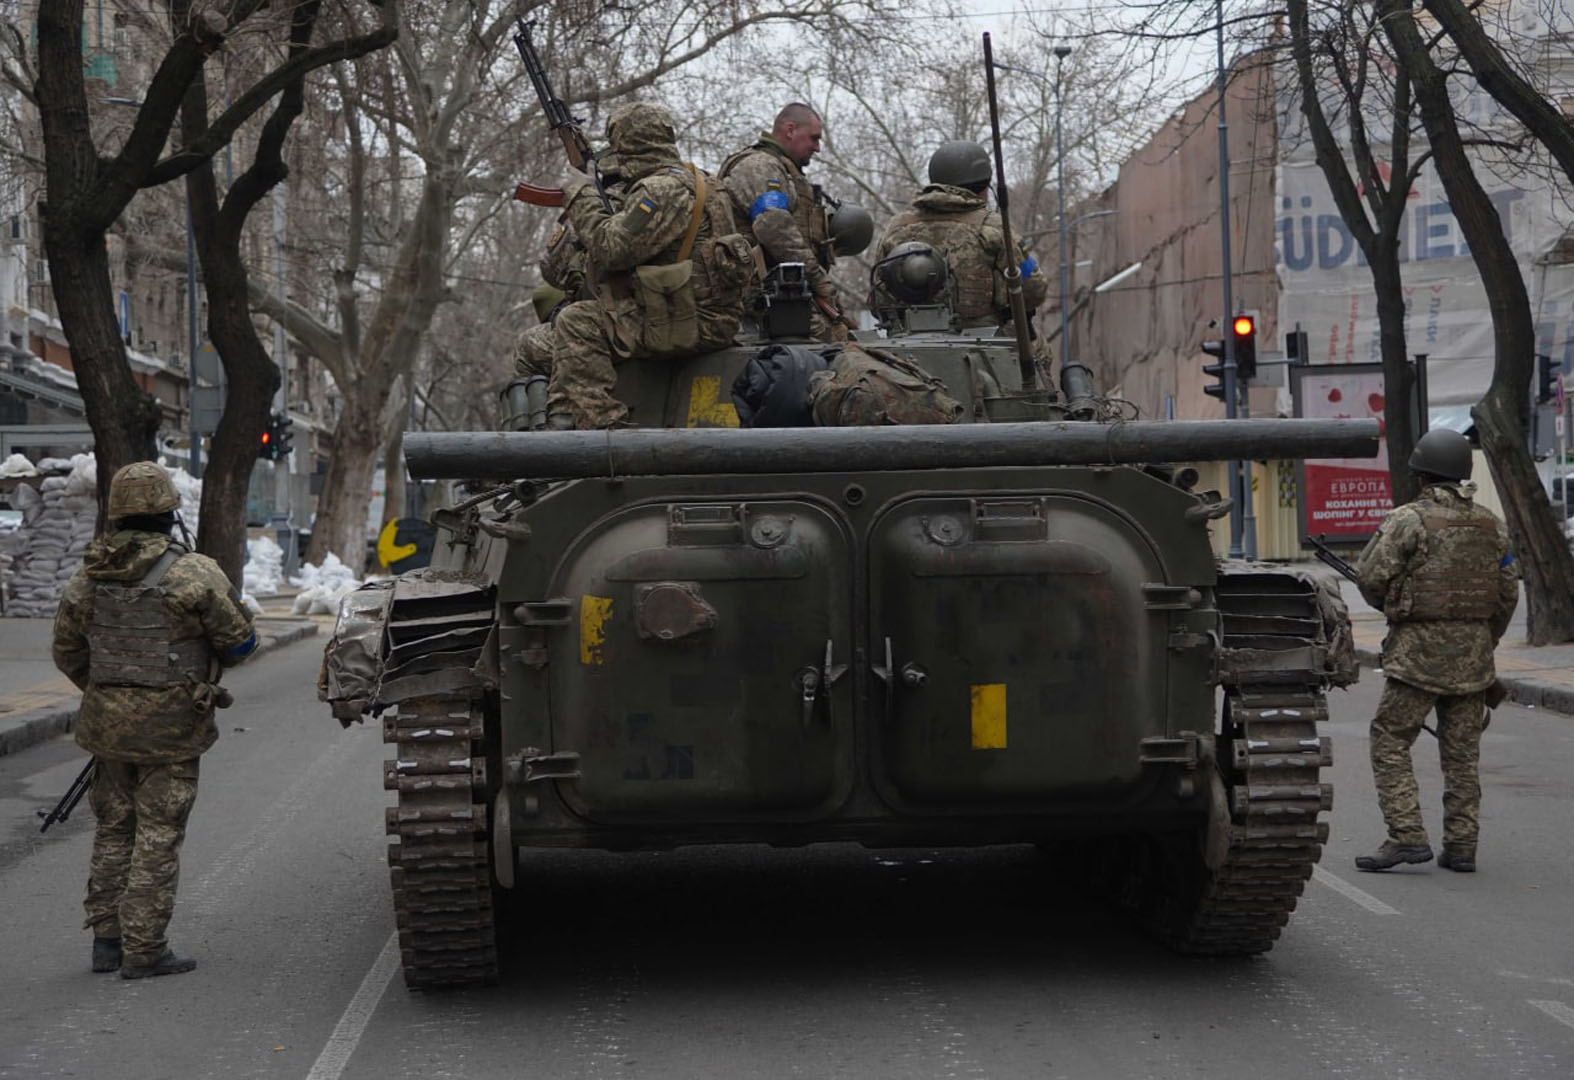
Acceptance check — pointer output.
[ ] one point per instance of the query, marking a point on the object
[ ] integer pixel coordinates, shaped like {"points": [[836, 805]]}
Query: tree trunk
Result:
{"points": [[340, 527], [1502, 417], [1399, 377]]}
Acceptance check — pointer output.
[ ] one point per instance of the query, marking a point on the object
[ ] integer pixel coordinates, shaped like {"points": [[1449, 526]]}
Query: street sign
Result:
{"points": [[1557, 425]]}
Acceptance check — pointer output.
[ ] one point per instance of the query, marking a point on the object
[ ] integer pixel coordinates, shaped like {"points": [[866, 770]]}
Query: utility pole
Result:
{"points": [[1231, 391]]}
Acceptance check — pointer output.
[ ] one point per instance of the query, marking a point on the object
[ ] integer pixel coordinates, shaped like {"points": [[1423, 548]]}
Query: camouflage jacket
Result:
{"points": [[140, 724], [1443, 656], [775, 201], [959, 224]]}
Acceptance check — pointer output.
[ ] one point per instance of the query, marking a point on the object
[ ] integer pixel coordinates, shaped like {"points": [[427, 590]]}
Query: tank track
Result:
{"points": [[1269, 761], [439, 859]]}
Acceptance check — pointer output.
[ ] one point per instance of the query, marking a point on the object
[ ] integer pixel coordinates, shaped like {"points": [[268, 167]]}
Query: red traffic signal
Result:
{"points": [[1244, 326]]}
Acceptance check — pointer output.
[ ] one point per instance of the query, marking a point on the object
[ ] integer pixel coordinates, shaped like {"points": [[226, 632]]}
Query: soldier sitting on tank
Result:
{"points": [[785, 214], [669, 271], [952, 216]]}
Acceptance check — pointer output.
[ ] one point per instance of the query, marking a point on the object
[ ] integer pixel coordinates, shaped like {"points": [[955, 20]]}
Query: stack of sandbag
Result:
{"points": [[58, 518]]}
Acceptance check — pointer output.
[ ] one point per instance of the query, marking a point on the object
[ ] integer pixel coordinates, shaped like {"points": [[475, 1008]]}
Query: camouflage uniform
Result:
{"points": [[147, 739], [1441, 570], [959, 224], [591, 336], [775, 200], [563, 270]]}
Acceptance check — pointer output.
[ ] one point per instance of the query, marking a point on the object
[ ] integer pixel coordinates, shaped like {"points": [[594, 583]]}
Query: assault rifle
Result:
{"points": [[567, 127], [73, 795], [1495, 694]]}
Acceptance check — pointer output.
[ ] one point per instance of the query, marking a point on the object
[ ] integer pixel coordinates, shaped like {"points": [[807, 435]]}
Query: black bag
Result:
{"points": [[772, 390]]}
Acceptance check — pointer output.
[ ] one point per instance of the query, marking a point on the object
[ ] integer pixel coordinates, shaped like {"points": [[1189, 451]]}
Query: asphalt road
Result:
{"points": [[828, 962]]}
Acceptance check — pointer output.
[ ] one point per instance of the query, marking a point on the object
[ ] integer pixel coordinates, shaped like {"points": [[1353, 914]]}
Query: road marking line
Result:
{"points": [[1554, 980], [1343, 887], [357, 1014], [1557, 1010]]}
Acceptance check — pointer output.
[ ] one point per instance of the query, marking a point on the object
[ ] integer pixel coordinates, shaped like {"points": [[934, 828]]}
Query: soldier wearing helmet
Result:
{"points": [[1441, 570], [785, 213], [953, 217], [668, 269], [143, 627]]}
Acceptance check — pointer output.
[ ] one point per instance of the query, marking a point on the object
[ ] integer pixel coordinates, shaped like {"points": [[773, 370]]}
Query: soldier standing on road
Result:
{"points": [[142, 629], [784, 213], [952, 216], [1441, 570], [668, 270]]}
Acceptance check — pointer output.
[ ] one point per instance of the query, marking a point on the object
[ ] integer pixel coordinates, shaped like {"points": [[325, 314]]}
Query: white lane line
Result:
{"points": [[1554, 980], [1344, 888], [357, 1014], [1557, 1010]]}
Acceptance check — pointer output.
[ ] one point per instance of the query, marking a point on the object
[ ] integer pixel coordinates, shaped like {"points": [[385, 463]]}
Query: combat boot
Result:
{"points": [[1458, 861], [106, 954], [1390, 854], [168, 964]]}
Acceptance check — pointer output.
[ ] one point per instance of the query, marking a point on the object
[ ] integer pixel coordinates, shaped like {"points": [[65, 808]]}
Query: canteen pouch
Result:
{"points": [[665, 294]]}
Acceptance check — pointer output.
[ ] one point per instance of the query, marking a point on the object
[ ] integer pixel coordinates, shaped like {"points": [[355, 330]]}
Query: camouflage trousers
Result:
{"points": [[142, 812], [1400, 713], [533, 351], [588, 345]]}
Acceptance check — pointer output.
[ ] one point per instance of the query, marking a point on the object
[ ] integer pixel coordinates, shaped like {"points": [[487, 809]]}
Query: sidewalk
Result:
{"points": [[1541, 676], [38, 703]]}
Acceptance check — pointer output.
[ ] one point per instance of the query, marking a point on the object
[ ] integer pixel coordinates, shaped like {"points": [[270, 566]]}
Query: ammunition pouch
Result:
{"points": [[669, 314]]}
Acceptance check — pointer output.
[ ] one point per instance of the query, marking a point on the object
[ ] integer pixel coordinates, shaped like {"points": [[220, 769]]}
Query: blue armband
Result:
{"points": [[244, 649], [1029, 265], [770, 200], [1506, 560]]}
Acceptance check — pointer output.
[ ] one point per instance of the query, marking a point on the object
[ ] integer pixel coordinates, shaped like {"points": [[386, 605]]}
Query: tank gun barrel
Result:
{"points": [[502, 455]]}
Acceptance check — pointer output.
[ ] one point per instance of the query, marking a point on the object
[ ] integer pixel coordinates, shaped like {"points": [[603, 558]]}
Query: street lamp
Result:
{"points": [[195, 459]]}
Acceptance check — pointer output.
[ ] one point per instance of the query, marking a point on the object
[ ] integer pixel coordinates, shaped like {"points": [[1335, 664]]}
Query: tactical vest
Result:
{"points": [[1454, 573], [980, 296], [803, 201], [129, 636]]}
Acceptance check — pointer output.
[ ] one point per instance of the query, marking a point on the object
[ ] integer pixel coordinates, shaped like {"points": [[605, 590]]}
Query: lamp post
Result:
{"points": [[1061, 52]]}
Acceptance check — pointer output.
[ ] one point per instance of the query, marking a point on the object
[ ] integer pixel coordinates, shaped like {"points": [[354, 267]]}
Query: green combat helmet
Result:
{"points": [[1441, 452], [143, 487], [851, 227], [960, 163], [914, 273]]}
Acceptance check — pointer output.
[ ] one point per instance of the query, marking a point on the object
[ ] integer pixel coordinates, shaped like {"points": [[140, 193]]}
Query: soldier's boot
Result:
{"points": [[1458, 860], [106, 954], [168, 964], [1391, 854]]}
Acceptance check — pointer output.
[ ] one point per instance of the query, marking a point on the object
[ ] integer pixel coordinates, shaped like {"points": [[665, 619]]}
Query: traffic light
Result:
{"points": [[1244, 327], [1297, 349], [265, 447], [283, 435], [1547, 370], [1215, 349]]}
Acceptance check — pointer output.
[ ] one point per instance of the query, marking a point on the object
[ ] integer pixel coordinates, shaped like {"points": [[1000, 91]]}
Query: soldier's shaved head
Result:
{"points": [[797, 130], [795, 112]]}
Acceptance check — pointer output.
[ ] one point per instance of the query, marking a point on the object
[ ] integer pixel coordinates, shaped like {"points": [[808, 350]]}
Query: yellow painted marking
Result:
{"points": [[989, 716], [594, 611], [706, 408], [389, 552]]}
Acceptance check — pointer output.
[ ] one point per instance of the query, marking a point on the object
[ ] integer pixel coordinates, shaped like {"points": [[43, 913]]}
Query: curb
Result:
{"points": [[31, 728], [1522, 690]]}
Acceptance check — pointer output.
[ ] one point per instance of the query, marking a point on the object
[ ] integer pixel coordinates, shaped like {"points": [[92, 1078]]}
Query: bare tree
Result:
{"points": [[1338, 67], [1502, 416], [87, 190]]}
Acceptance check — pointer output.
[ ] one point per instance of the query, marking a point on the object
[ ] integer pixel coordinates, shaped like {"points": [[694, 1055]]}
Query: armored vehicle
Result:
{"points": [[1011, 629]]}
